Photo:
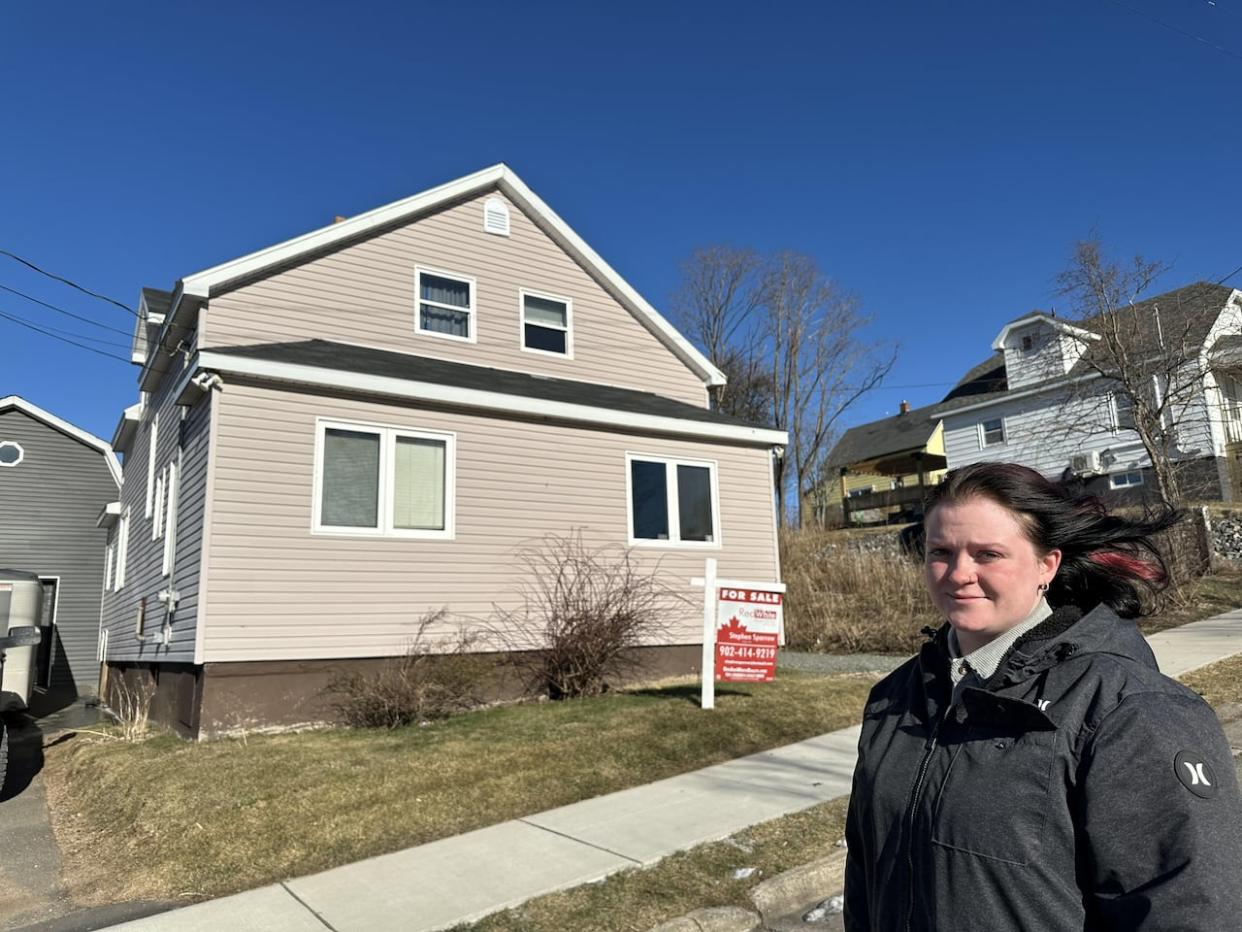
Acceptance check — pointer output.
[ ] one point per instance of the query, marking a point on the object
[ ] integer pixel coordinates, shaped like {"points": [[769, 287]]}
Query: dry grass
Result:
{"points": [[1220, 684], [846, 601], [162, 819], [1220, 591], [636, 900]]}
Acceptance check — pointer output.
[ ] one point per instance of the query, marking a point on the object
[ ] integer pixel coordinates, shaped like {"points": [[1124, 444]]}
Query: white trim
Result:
{"points": [[170, 529], [388, 435], [674, 512], [153, 441], [1056, 323], [122, 550], [108, 515], [127, 427], [486, 400], [471, 311], [21, 453], [206, 523], [215, 279], [523, 293], [21, 404], [109, 560]]}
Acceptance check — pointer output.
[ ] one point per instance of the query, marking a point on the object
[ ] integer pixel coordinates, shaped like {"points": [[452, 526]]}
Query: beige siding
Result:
{"points": [[277, 591], [364, 294]]}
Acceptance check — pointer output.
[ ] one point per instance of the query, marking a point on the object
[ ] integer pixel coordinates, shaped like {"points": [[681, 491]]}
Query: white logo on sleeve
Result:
{"points": [[1043, 704], [1195, 773]]}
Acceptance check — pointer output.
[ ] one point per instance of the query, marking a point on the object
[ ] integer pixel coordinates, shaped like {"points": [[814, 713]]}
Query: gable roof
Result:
{"points": [[227, 275], [359, 368], [897, 434], [10, 402]]}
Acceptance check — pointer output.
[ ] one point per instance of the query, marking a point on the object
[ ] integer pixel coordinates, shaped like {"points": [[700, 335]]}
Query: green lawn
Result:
{"points": [[164, 818]]}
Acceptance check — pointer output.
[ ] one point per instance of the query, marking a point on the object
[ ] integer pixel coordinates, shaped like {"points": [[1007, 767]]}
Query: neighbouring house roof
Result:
{"points": [[202, 285], [51, 420], [888, 438], [343, 366], [982, 382], [157, 301]]}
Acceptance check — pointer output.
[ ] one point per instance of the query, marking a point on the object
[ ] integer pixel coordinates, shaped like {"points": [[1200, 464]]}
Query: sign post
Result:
{"points": [[743, 625]]}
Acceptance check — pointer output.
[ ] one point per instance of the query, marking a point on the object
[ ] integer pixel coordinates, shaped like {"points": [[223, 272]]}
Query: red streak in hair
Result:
{"points": [[1127, 565]]}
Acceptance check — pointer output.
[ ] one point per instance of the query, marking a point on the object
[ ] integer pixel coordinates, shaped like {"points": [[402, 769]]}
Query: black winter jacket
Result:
{"points": [[1079, 788]]}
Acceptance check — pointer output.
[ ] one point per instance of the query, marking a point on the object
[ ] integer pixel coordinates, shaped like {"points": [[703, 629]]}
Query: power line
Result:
{"points": [[1221, 281], [49, 333], [61, 310], [72, 284], [1177, 29]]}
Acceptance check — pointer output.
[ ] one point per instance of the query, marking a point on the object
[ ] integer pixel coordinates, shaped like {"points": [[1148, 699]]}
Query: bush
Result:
{"points": [[588, 610], [846, 600], [427, 682]]}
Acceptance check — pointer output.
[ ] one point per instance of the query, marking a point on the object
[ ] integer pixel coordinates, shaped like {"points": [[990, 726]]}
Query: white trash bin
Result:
{"points": [[21, 601]]}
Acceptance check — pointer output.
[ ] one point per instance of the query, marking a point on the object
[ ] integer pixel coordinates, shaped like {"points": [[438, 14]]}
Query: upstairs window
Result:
{"points": [[992, 432], [673, 501], [445, 305], [545, 324], [383, 481], [11, 453]]}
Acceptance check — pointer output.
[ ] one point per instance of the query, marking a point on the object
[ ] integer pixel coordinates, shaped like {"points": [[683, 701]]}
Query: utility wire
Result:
{"points": [[49, 333], [72, 284], [1177, 29], [61, 310], [1221, 281]]}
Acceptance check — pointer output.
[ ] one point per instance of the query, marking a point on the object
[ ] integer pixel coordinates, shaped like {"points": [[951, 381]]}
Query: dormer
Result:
{"points": [[1039, 347], [152, 307]]}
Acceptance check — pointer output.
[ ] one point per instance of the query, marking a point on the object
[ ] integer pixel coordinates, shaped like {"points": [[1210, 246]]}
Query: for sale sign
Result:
{"points": [[748, 626]]}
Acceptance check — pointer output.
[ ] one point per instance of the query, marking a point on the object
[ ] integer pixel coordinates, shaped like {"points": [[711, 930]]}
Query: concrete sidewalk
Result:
{"points": [[460, 879]]}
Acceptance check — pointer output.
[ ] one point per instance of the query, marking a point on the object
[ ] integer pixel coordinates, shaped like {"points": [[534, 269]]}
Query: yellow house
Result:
{"points": [[885, 466]]}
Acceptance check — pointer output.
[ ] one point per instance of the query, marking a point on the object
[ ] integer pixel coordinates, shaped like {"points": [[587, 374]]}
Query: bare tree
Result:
{"points": [[715, 305], [1149, 355], [818, 364]]}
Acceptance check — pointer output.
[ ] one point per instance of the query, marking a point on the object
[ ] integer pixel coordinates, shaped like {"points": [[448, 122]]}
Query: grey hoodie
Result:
{"points": [[1078, 788]]}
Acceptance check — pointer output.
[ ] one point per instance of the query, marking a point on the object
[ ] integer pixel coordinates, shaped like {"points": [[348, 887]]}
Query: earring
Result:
{"points": [[1042, 587]]}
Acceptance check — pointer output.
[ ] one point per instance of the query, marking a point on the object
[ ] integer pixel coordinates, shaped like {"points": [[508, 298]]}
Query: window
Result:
{"points": [[545, 324], [384, 481], [11, 453], [1123, 412], [122, 548], [992, 432], [860, 492], [445, 305], [1122, 480], [153, 441], [1028, 344], [674, 501]]}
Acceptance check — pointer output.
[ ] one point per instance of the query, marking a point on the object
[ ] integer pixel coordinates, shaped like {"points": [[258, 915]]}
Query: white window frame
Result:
{"points": [[153, 440], [569, 323], [1115, 410], [109, 561], [170, 518], [122, 550], [157, 517], [983, 440], [21, 453], [471, 311], [1113, 484], [388, 441], [674, 513]]}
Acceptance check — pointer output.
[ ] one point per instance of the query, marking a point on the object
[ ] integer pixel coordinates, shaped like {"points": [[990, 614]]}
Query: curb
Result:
{"points": [[715, 919], [799, 888]]}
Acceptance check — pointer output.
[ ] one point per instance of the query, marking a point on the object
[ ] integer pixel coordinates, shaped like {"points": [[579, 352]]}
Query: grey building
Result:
{"points": [[56, 483]]}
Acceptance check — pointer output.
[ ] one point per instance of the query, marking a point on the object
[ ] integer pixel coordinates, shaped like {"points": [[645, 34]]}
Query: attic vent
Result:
{"points": [[496, 217]]}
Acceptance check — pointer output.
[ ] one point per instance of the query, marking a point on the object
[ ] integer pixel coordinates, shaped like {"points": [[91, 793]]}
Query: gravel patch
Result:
{"points": [[840, 663]]}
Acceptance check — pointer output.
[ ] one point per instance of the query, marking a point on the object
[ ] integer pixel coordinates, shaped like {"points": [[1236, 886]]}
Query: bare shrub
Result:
{"points": [[844, 600], [131, 705], [433, 679], [585, 611]]}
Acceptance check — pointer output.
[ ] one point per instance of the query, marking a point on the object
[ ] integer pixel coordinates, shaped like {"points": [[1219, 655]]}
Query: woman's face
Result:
{"points": [[982, 571]]}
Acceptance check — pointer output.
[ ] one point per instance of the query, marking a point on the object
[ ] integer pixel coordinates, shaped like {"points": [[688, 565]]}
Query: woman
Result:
{"points": [[1031, 769]]}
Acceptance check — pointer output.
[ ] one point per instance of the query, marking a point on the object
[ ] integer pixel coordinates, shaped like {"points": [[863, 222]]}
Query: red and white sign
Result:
{"points": [[748, 626]]}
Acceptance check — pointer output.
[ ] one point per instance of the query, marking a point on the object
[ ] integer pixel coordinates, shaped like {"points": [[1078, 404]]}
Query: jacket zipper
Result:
{"points": [[915, 792]]}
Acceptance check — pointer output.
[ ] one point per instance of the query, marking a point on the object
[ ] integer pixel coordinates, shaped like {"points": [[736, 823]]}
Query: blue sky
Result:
{"points": [[937, 158]]}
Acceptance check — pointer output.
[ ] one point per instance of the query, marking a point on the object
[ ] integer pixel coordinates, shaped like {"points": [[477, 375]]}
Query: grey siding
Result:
{"points": [[184, 431], [48, 507]]}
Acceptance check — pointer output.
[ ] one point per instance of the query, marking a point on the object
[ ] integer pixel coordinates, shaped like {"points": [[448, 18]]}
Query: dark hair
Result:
{"points": [[1104, 558]]}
